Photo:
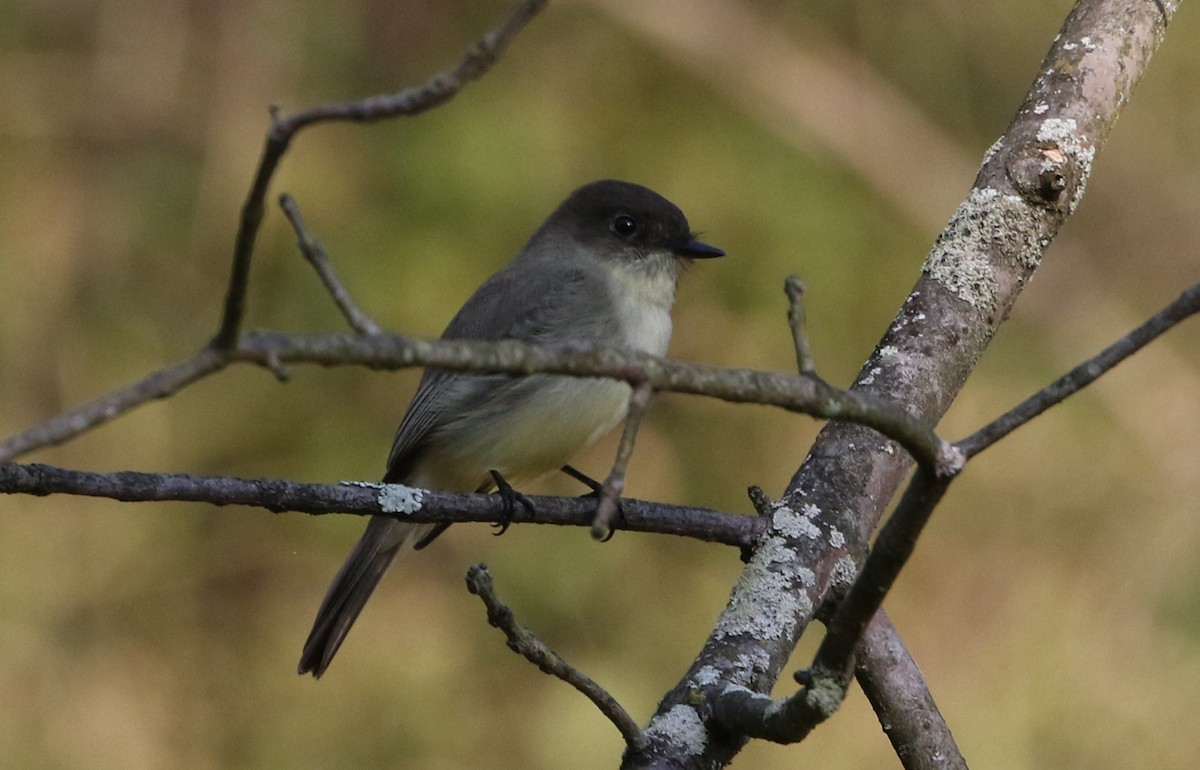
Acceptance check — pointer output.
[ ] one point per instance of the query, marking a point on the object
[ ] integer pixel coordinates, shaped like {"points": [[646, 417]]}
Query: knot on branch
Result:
{"points": [[1052, 171], [1042, 174]]}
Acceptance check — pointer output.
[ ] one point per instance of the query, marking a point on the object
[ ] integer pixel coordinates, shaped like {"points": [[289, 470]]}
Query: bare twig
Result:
{"points": [[797, 319], [523, 642], [805, 395], [893, 547], [158, 384], [312, 250], [440, 88], [614, 485], [411, 101], [364, 498], [1187, 305], [759, 499], [896, 689]]}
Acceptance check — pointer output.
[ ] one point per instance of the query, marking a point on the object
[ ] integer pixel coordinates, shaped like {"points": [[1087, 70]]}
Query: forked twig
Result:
{"points": [[411, 101]]}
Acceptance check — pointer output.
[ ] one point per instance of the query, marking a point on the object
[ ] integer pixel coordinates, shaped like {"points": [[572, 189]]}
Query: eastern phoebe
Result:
{"points": [[602, 268]]}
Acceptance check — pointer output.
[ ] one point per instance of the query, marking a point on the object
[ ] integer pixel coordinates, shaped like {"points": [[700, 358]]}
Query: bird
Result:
{"points": [[602, 268]]}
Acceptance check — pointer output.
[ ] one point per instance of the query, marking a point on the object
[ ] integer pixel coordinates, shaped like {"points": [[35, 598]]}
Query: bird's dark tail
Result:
{"points": [[352, 586]]}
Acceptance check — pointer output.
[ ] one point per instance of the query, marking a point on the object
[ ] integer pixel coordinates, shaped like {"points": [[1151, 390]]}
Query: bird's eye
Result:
{"points": [[624, 225]]}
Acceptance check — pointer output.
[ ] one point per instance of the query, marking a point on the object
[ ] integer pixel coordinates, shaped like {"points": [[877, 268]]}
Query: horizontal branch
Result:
{"points": [[796, 393], [805, 395], [366, 498]]}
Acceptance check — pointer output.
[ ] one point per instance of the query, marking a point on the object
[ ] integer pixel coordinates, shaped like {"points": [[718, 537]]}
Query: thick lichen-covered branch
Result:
{"points": [[1031, 180]]}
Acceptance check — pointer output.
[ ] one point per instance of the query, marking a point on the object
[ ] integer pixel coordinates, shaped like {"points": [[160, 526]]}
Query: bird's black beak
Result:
{"points": [[694, 249]]}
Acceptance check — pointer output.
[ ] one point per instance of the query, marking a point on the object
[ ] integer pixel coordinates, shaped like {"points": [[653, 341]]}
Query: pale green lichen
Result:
{"points": [[766, 602], [987, 225], [825, 694], [844, 571], [991, 151], [393, 498], [788, 523], [681, 727], [1064, 134], [397, 498]]}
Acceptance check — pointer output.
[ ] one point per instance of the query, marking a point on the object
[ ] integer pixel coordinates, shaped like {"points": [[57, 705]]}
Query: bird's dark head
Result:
{"points": [[626, 220]]}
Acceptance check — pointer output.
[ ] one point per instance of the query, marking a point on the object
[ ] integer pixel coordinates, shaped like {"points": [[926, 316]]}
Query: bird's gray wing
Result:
{"points": [[526, 304]]}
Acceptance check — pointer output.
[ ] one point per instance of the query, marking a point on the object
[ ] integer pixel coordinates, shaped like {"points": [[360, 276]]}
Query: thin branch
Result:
{"points": [[1187, 305], [804, 395], [161, 383], [797, 320], [523, 642], [891, 552], [312, 250], [411, 101], [897, 691], [480, 58], [614, 485], [365, 498]]}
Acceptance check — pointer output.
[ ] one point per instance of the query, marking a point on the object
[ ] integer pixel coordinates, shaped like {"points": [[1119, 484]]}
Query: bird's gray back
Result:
{"points": [[536, 298]]}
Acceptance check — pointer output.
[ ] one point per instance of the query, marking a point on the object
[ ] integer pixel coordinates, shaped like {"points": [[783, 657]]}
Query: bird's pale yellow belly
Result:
{"points": [[531, 438]]}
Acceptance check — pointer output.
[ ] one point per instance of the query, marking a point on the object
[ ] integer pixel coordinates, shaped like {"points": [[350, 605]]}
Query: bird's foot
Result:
{"points": [[510, 498]]}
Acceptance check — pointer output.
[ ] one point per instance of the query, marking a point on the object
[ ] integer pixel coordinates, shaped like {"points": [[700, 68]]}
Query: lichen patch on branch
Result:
{"points": [[681, 727], [987, 227]]}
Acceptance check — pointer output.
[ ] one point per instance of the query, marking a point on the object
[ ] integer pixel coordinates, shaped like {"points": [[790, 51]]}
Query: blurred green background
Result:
{"points": [[1054, 603]]}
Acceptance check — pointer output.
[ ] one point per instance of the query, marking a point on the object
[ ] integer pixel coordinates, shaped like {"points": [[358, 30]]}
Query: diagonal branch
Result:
{"points": [[158, 384], [896, 689], [522, 641], [1031, 180], [791, 719], [314, 252], [825, 682], [1187, 305]]}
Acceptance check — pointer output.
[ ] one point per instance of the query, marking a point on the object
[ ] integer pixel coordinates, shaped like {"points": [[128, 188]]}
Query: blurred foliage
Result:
{"points": [[1053, 604]]}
